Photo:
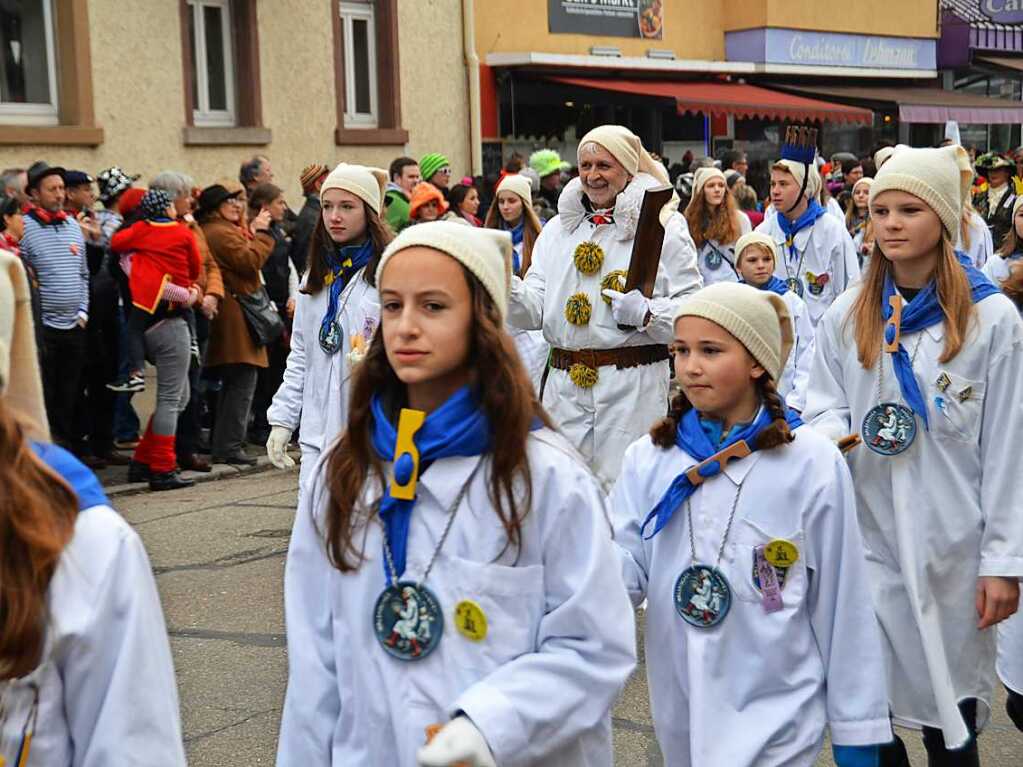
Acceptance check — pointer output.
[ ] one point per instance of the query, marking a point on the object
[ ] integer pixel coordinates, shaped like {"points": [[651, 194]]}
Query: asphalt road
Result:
{"points": [[218, 553]]}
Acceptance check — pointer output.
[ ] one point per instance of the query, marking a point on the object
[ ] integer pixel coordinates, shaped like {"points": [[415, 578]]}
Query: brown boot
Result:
{"points": [[193, 462]]}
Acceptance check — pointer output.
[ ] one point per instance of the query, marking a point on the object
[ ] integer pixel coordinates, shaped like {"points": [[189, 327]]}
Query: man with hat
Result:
{"points": [[548, 166], [53, 245], [311, 179], [436, 168], [995, 204], [605, 386]]}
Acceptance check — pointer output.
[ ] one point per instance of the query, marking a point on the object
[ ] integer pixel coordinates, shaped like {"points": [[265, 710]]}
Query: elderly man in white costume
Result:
{"points": [[605, 386]]}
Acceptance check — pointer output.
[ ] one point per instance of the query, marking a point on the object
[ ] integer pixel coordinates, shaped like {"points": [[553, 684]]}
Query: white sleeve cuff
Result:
{"points": [[494, 715], [865, 732]]}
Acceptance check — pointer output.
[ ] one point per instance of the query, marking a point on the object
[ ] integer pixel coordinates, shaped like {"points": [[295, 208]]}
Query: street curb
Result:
{"points": [[220, 471]]}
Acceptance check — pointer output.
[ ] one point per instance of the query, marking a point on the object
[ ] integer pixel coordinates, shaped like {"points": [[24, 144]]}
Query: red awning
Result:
{"points": [[740, 100]]}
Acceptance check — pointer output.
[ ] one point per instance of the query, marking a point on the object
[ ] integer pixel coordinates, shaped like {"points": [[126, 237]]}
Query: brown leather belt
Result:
{"points": [[621, 358]]}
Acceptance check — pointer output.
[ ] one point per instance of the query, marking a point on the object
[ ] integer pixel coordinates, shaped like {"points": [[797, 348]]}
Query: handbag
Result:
{"points": [[264, 321]]}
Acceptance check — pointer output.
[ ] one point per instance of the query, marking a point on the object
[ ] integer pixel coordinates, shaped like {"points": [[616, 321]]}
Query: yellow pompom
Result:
{"points": [[613, 281], [589, 257], [578, 309], [582, 376]]}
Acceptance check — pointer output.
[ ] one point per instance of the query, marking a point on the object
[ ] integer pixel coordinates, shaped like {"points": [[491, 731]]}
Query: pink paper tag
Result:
{"points": [[769, 587]]}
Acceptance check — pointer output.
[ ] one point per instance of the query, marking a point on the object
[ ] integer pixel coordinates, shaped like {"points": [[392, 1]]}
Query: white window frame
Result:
{"points": [[12, 113], [351, 11], [202, 115]]}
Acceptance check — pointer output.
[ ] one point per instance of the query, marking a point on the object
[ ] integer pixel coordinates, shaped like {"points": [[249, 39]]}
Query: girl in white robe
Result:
{"points": [[449, 489], [715, 223], [758, 636], [940, 506]]}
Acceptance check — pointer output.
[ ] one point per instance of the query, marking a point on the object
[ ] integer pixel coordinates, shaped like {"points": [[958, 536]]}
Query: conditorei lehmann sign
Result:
{"points": [[825, 49], [1003, 11], [608, 18]]}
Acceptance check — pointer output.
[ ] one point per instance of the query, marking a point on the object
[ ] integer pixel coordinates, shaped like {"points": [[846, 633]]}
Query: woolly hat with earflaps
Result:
{"points": [[759, 319], [516, 184], [754, 238], [702, 176], [940, 177], [365, 183], [20, 383], [487, 253]]}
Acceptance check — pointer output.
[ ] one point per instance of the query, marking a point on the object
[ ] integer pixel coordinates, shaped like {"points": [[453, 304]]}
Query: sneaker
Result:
{"points": [[133, 383]]}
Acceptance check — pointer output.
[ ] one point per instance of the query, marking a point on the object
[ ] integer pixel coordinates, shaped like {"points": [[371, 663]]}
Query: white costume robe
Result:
{"points": [[313, 397], [759, 688], [725, 271], [824, 253], [981, 245], [602, 420], [106, 687], [559, 644], [936, 517]]}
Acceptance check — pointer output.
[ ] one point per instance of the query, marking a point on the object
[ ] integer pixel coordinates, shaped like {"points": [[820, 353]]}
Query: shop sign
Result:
{"points": [[1003, 11], [607, 18], [822, 49]]}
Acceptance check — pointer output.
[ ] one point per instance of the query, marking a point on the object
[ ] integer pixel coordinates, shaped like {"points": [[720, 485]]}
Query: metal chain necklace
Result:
{"points": [[889, 428], [407, 617], [702, 594]]}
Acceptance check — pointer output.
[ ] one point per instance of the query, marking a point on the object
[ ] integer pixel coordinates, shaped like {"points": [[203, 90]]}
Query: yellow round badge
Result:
{"points": [[470, 620], [781, 553]]}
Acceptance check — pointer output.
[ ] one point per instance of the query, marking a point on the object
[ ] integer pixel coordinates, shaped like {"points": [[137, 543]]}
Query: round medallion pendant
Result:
{"points": [[702, 596], [713, 260], [408, 621], [330, 337], [795, 285], [889, 428]]}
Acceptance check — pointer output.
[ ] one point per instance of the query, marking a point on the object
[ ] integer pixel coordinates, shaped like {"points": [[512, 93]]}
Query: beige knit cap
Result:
{"points": [[759, 319], [365, 183], [754, 238], [487, 253], [865, 180], [517, 184], [20, 384], [798, 171], [939, 177], [627, 149]]}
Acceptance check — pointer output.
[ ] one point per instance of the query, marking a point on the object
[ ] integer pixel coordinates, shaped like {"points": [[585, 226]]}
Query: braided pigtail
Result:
{"points": [[778, 432], [663, 432]]}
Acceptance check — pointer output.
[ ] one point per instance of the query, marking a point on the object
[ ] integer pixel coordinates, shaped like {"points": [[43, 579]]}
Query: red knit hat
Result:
{"points": [[130, 200]]}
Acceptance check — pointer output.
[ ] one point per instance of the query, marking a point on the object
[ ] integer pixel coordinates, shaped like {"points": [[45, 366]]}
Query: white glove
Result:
{"points": [[277, 447], [458, 741], [628, 308]]}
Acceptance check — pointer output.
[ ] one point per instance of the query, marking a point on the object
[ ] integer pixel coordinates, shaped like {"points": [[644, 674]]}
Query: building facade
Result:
{"points": [[201, 85]]}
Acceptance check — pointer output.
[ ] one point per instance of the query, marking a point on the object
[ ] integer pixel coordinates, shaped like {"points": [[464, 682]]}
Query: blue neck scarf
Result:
{"points": [[691, 437], [517, 233], [342, 263], [920, 313], [775, 284], [459, 427], [74, 472], [791, 228]]}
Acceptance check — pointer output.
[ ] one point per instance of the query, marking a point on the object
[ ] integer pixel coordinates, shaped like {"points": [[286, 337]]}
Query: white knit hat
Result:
{"points": [[487, 253], [702, 176], [759, 319], [939, 177], [627, 149], [798, 171], [365, 183], [20, 384], [865, 180], [754, 238], [517, 184]]}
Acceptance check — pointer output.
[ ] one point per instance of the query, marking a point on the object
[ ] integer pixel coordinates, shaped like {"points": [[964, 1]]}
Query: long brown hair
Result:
{"points": [[321, 243], [1013, 285], [37, 518], [778, 433], [507, 398], [954, 295], [530, 231], [721, 223]]}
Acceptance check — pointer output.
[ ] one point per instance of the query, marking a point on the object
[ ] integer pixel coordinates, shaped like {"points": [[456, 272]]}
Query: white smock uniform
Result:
{"points": [[997, 268], [313, 397], [604, 419], [832, 207], [533, 349], [796, 375], [560, 637], [981, 245], [936, 517], [825, 260], [713, 250], [107, 695], [758, 689]]}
